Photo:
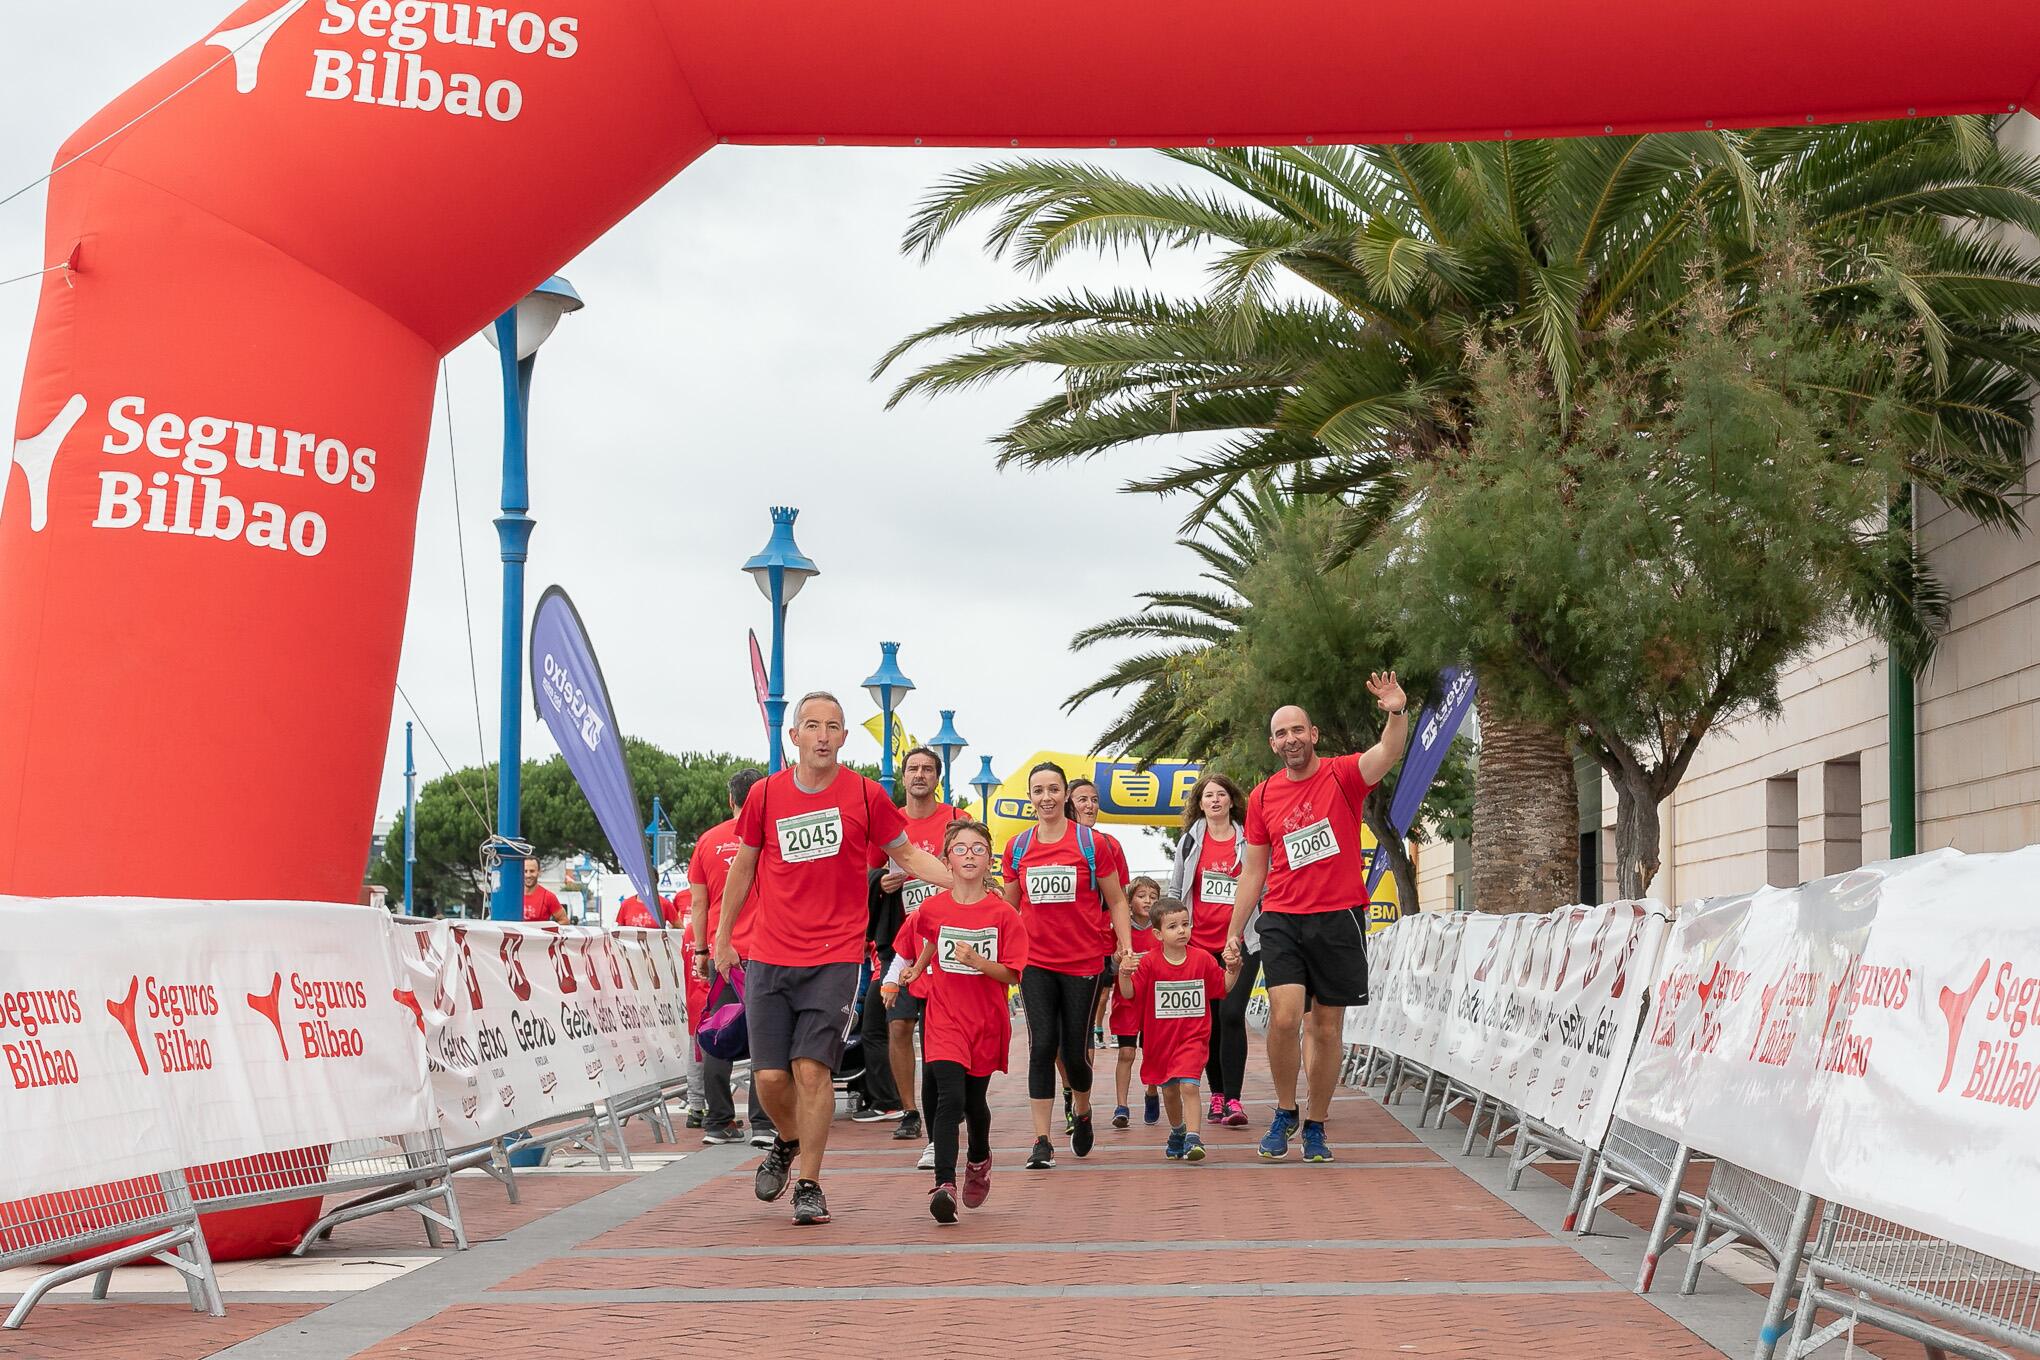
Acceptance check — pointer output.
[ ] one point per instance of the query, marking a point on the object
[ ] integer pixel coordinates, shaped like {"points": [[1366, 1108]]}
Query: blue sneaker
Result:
{"points": [[1121, 1116], [1314, 1148], [1275, 1144], [1174, 1151], [1193, 1148], [1151, 1112]]}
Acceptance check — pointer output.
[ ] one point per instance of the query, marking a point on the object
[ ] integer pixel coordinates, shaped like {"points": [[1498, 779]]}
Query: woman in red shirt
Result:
{"points": [[968, 946]]}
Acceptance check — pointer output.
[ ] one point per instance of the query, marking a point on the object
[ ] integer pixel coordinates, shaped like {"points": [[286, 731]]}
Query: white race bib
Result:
{"points": [[1179, 1000], [811, 835], [1217, 889], [914, 892], [1309, 844], [985, 941], [1051, 883]]}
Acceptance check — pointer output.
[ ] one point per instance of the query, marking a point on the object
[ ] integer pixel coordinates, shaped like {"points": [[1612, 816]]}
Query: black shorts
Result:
{"points": [[799, 1012], [1324, 952], [1128, 1040], [906, 1008]]}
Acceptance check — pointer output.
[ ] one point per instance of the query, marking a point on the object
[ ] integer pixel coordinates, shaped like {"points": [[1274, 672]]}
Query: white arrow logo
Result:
{"points": [[36, 454], [246, 44]]}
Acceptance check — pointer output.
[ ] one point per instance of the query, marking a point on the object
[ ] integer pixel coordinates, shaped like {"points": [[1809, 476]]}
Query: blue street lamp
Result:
{"points": [[410, 822], [780, 570], [886, 688], [947, 743], [516, 337], [665, 843], [985, 783]]}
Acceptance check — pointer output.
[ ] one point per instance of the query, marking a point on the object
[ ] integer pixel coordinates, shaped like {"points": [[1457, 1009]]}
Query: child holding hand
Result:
{"points": [[1173, 989], [1141, 896], [968, 946]]}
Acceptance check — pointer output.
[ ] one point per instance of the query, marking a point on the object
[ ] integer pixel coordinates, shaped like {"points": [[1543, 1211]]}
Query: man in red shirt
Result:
{"points": [[1302, 866], [540, 903], [708, 871], [806, 832], [633, 912]]}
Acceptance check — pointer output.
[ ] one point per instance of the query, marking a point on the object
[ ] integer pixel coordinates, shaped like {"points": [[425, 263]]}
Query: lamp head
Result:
{"points": [[887, 685], [540, 311], [947, 740], [986, 779], [780, 551]]}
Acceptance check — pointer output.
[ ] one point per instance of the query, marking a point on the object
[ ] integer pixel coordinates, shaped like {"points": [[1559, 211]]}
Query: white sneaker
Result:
{"points": [[927, 1162]]}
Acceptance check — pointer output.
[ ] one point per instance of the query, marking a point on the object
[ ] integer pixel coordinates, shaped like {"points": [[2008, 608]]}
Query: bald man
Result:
{"points": [[1302, 865]]}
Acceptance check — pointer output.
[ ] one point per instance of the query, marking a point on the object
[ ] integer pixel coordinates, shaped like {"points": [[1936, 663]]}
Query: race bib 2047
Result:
{"points": [[811, 835], [1220, 890], [1309, 844], [1179, 1000], [1052, 883], [985, 941], [914, 892]]}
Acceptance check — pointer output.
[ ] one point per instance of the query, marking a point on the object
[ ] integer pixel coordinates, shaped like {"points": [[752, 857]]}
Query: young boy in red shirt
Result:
{"points": [[1174, 988], [968, 946], [1141, 896]]}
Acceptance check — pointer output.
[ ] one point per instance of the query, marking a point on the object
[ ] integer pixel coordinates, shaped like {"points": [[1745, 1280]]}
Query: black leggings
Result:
{"points": [[958, 1099], [1058, 1024], [1227, 1069]]}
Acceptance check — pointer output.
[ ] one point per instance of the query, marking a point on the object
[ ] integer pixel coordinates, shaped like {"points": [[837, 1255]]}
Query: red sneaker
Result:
{"points": [[1235, 1117], [977, 1182], [1216, 1114]]}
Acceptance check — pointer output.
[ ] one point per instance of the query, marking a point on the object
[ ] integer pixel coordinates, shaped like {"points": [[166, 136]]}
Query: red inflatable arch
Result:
{"points": [[206, 538]]}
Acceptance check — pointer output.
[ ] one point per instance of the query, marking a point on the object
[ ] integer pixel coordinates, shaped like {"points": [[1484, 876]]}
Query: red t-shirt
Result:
{"points": [[709, 866], [1212, 890], [811, 896], [632, 912], [1315, 821], [540, 904], [924, 833], [967, 1020], [1068, 928], [1174, 1001], [1125, 1018]]}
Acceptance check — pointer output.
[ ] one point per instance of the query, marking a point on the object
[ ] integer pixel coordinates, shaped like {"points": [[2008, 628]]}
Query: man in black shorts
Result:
{"points": [[805, 833], [1303, 866]]}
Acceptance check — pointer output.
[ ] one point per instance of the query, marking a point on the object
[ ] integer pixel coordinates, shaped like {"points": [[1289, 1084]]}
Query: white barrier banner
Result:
{"points": [[140, 1035], [1867, 1038], [1540, 1011]]}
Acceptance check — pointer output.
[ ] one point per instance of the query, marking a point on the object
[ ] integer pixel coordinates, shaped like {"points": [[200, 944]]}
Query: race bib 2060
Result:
{"points": [[985, 941], [1179, 1000], [811, 835], [1309, 844], [1052, 883]]}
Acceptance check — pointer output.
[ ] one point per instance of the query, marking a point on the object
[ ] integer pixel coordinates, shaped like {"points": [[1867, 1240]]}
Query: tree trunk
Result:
{"points": [[1375, 812], [1636, 838], [1526, 816]]}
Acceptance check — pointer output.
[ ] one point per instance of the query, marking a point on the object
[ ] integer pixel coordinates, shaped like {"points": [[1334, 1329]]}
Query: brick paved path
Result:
{"points": [[1399, 1249]]}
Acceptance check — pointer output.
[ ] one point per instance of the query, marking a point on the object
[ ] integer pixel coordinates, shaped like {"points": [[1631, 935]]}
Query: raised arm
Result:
{"points": [[1377, 760]]}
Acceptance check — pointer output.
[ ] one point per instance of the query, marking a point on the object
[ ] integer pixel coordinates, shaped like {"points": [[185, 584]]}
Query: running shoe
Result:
{"points": [[1193, 1148], [731, 1132], [977, 1183], [1151, 1112], [1235, 1117], [808, 1204], [1042, 1157], [927, 1162], [1174, 1151], [909, 1130], [942, 1203], [763, 1135], [874, 1114], [770, 1182], [1121, 1117], [696, 1118], [1081, 1136], [1275, 1143], [1216, 1114], [1314, 1147], [1069, 1109]]}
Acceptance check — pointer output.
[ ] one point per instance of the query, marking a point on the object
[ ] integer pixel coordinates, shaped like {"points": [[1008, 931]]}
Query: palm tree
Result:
{"points": [[1346, 284]]}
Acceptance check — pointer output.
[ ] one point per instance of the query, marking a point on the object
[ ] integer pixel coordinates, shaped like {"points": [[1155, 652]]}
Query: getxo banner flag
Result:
{"points": [[568, 689], [1437, 725]]}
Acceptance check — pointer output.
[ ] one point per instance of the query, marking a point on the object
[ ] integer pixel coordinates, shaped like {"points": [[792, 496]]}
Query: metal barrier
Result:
{"points": [[147, 1217], [1868, 1269], [1741, 1206], [403, 1171], [1537, 1141], [1634, 1158]]}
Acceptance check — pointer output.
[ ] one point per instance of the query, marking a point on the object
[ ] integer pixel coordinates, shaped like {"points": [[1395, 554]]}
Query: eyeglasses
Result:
{"points": [[974, 850]]}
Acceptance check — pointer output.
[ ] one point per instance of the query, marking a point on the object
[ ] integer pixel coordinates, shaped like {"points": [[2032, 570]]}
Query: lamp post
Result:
{"points": [[665, 841], [985, 782], [780, 570], [947, 743], [887, 686], [516, 337], [410, 822]]}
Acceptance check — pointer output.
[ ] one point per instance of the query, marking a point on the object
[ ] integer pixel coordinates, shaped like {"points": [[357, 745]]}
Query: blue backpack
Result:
{"points": [[1017, 851]]}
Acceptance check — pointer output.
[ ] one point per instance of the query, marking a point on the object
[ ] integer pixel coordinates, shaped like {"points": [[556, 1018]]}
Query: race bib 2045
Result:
{"points": [[811, 835], [1309, 844], [1052, 883], [914, 892], [1220, 890], [985, 941], [1179, 1000]]}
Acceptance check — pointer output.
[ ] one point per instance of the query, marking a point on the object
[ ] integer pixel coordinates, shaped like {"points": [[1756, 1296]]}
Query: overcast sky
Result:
{"points": [[720, 367]]}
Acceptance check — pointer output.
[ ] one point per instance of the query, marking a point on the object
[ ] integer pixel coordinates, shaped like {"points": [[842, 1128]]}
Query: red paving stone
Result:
{"points": [[1522, 1327], [1300, 1265], [128, 1331]]}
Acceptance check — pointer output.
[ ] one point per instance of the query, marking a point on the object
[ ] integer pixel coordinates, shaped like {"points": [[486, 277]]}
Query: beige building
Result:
{"points": [[1807, 794]]}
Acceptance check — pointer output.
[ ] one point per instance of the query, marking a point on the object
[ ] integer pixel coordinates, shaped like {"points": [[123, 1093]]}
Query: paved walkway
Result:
{"points": [[1401, 1248]]}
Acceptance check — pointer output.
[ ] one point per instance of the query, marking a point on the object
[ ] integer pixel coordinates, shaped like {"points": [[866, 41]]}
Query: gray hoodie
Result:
{"points": [[1184, 871]]}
